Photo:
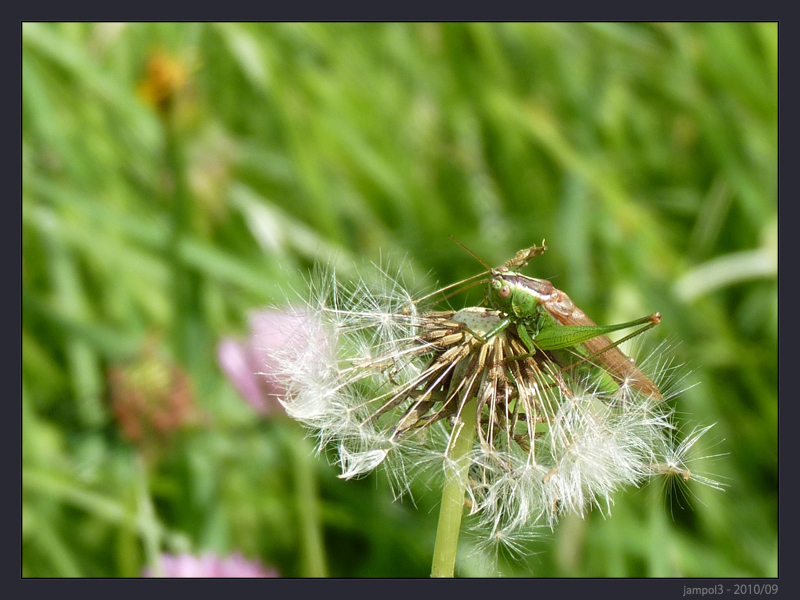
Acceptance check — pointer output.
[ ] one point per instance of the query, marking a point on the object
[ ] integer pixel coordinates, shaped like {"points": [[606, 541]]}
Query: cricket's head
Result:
{"points": [[509, 292], [499, 292]]}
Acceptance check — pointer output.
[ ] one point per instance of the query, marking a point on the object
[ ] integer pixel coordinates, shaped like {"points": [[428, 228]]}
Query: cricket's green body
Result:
{"points": [[547, 319]]}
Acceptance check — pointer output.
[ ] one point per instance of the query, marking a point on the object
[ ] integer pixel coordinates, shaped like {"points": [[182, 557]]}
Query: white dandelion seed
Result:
{"points": [[675, 465]]}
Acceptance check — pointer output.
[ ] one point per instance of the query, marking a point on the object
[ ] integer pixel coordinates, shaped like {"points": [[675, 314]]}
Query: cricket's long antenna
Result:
{"points": [[463, 289], [478, 258], [456, 284]]}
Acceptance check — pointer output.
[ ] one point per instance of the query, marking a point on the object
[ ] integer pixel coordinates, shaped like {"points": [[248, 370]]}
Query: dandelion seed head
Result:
{"points": [[381, 375]]}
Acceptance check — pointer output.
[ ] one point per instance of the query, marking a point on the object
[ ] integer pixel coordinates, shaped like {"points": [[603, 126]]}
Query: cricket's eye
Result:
{"points": [[504, 292]]}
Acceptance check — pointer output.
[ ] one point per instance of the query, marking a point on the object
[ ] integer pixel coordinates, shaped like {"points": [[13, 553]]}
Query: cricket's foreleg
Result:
{"points": [[525, 337], [522, 332], [482, 338]]}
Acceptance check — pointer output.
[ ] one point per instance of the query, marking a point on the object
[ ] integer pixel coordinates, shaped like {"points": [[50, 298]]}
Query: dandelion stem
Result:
{"points": [[452, 509]]}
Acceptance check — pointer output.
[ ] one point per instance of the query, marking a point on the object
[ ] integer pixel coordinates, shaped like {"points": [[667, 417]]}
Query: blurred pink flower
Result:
{"points": [[210, 565], [247, 363]]}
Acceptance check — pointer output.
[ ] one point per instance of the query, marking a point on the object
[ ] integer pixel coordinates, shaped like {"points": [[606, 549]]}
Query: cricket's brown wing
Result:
{"points": [[619, 366]]}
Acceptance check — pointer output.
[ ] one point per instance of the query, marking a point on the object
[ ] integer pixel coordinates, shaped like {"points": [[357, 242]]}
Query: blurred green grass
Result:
{"points": [[645, 154]]}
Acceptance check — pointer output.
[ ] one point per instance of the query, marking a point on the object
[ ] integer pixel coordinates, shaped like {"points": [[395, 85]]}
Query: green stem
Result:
{"points": [[186, 329], [452, 509], [151, 531], [308, 509]]}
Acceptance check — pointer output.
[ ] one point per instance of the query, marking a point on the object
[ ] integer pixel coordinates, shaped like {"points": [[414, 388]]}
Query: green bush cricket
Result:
{"points": [[547, 319]]}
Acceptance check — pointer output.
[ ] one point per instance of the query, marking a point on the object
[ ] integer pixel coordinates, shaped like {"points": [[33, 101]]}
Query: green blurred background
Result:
{"points": [[177, 176]]}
